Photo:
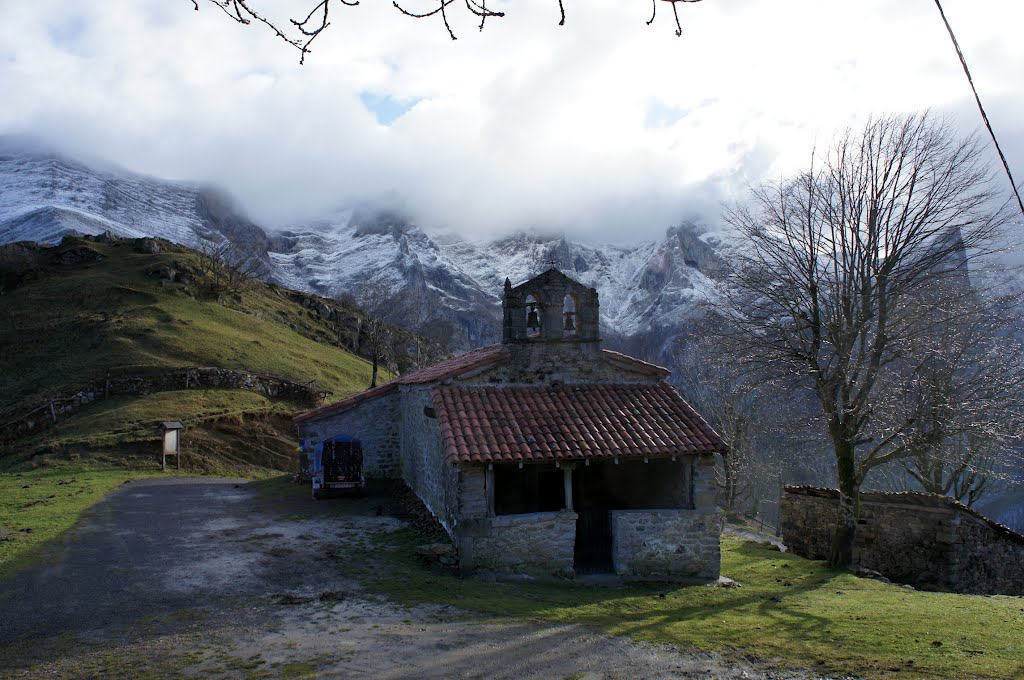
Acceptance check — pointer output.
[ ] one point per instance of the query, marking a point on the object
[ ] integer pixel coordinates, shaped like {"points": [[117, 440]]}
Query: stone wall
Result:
{"points": [[705, 491], [45, 415], [375, 424], [666, 544], [193, 377], [473, 503], [931, 542], [534, 543], [424, 467]]}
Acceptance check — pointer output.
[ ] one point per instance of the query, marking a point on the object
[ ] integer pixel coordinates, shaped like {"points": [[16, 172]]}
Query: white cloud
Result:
{"points": [[524, 124]]}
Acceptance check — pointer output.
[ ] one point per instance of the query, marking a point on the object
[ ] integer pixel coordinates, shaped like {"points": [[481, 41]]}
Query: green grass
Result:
{"points": [[74, 323], [789, 612], [38, 506]]}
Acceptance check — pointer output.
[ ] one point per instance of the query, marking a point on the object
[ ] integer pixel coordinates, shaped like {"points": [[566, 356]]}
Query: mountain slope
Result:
{"points": [[90, 309]]}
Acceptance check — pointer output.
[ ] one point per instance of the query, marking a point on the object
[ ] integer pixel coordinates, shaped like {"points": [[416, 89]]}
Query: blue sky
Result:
{"points": [[385, 108], [605, 128]]}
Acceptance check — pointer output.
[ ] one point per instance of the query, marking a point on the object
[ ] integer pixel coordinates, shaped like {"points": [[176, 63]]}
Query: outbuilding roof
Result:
{"points": [[569, 422], [450, 368]]}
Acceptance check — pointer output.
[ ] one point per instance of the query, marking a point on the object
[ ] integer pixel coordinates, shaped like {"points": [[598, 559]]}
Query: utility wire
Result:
{"points": [[984, 116]]}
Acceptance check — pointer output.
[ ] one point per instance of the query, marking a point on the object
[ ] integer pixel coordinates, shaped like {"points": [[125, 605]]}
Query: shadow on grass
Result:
{"points": [[792, 611]]}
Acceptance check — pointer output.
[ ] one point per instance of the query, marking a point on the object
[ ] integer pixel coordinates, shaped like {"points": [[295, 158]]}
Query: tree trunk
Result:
{"points": [[373, 377], [849, 508], [729, 490]]}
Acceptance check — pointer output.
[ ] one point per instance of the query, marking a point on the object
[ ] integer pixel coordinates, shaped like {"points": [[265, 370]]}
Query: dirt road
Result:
{"points": [[212, 578]]}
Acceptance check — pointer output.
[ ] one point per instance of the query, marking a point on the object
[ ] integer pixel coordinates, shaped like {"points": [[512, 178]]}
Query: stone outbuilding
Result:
{"points": [[929, 541], [546, 454]]}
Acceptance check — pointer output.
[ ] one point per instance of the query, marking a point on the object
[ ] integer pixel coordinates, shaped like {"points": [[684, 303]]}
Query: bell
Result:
{"points": [[569, 325], [532, 320]]}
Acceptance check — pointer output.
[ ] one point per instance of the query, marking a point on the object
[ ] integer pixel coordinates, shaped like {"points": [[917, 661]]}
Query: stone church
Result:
{"points": [[546, 454]]}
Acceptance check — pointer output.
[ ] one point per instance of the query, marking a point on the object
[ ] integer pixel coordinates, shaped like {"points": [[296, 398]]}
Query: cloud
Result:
{"points": [[605, 128]]}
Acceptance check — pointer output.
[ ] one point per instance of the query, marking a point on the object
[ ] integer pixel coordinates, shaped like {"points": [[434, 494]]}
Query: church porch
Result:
{"points": [[635, 518]]}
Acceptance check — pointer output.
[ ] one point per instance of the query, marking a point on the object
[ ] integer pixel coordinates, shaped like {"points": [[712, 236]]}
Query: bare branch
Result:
{"points": [[440, 8], [316, 21]]}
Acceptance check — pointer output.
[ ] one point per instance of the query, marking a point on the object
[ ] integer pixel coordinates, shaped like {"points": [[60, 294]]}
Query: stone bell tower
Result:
{"points": [[551, 308]]}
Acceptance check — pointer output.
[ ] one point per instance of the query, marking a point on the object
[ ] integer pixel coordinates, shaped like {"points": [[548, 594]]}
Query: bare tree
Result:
{"points": [[376, 335], [732, 407], [771, 441], [963, 468], [961, 390], [227, 268], [829, 293]]}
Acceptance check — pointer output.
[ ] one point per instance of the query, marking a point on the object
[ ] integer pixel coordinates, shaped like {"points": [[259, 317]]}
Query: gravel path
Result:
{"points": [[207, 577]]}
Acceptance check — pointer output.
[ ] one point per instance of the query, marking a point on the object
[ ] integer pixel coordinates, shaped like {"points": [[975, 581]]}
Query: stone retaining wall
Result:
{"points": [[533, 543], [660, 544], [931, 542], [45, 415], [188, 378]]}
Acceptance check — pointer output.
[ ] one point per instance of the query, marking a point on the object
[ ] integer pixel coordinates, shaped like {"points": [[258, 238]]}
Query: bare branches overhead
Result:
{"points": [[654, 13], [308, 29], [303, 31]]}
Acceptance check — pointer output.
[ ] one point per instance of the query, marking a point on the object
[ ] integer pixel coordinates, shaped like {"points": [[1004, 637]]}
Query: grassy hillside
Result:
{"points": [[90, 308]]}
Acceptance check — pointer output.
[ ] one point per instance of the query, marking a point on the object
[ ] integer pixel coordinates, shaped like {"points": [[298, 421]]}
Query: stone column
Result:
{"points": [[551, 319], [567, 469], [704, 484], [489, 484]]}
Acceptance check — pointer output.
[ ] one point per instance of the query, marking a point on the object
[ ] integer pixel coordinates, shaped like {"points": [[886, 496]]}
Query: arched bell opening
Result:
{"points": [[533, 316], [569, 319]]}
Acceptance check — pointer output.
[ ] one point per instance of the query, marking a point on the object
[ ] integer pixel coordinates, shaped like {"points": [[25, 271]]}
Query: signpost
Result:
{"points": [[172, 441]]}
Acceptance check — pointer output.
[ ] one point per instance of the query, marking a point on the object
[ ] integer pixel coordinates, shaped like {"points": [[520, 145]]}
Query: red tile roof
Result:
{"points": [[569, 422], [450, 368]]}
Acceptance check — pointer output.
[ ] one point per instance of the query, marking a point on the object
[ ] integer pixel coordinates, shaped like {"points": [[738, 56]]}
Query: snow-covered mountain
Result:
{"points": [[44, 195], [646, 290], [450, 287]]}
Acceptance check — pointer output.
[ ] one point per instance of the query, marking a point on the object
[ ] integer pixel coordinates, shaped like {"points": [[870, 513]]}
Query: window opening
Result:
{"points": [[569, 315], [533, 324], [532, 488]]}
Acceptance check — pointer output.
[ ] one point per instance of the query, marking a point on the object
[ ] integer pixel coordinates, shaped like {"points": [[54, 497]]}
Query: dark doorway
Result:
{"points": [[593, 553], [592, 502]]}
